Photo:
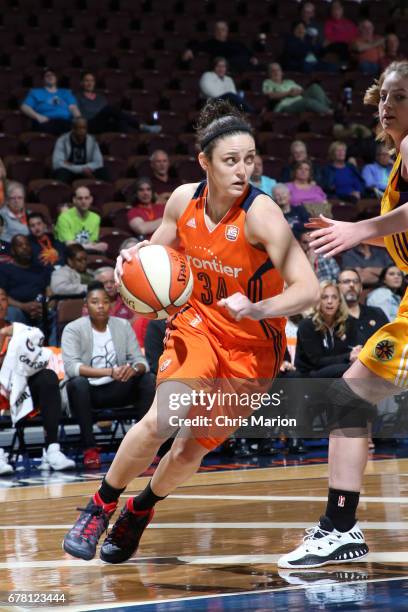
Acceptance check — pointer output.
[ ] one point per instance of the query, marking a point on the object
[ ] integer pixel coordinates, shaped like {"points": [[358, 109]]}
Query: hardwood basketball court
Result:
{"points": [[212, 546]]}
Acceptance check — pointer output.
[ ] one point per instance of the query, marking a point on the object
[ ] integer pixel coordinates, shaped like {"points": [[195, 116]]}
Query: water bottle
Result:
{"points": [[347, 97]]}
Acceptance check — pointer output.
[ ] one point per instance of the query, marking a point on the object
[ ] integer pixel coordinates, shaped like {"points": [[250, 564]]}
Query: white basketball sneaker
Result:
{"points": [[53, 458], [5, 467], [323, 545]]}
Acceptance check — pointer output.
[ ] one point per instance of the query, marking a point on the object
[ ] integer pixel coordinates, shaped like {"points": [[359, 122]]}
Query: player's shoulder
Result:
{"points": [[263, 207], [180, 198]]}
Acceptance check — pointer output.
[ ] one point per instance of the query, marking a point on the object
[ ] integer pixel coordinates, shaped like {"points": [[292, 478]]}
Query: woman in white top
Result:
{"points": [[216, 84], [389, 292]]}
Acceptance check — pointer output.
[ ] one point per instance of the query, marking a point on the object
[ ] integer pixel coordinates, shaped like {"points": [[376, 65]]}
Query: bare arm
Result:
{"points": [[140, 226], [30, 112], [268, 227], [75, 112]]}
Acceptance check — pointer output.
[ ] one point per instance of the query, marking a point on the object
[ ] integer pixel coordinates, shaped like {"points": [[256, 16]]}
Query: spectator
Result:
{"points": [[163, 184], [72, 279], [339, 32], [389, 292], [3, 182], [79, 224], [327, 342], [298, 153], [128, 242], [101, 116], [45, 394], [368, 261], [51, 108], [104, 367], [216, 84], [14, 212], [303, 190], [145, 216], [77, 155], [118, 308], [326, 268], [239, 57], [376, 175], [391, 51], [26, 284], [258, 179], [296, 217], [368, 48], [369, 318], [301, 52], [339, 177], [286, 96], [4, 246], [307, 14], [47, 251]]}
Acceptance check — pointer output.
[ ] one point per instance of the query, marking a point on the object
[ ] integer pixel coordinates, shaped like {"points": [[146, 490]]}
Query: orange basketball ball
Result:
{"points": [[157, 282]]}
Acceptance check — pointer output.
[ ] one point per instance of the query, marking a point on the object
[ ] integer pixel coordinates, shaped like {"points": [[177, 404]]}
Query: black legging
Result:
{"points": [[46, 396], [84, 398]]}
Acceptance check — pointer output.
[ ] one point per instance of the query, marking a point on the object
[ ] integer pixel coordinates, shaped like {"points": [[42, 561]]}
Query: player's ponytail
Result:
{"points": [[372, 96], [217, 119]]}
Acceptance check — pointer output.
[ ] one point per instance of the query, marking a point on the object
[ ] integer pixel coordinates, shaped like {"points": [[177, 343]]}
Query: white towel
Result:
{"points": [[25, 357]]}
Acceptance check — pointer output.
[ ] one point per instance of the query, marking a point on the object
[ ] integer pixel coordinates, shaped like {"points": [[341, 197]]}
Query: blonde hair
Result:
{"points": [[341, 315], [372, 96], [332, 149]]}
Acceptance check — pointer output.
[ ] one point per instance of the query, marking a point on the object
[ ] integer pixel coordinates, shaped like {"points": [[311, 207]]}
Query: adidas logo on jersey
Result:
{"points": [[191, 223]]}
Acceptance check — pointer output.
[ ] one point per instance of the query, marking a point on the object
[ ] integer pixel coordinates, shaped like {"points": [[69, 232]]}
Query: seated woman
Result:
{"points": [[389, 292], [104, 367], [340, 178], [45, 393], [339, 33], [216, 83], [303, 189], [327, 341], [286, 96], [145, 216]]}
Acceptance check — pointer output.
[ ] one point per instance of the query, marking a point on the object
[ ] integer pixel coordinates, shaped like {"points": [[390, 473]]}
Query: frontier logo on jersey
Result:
{"points": [[231, 232]]}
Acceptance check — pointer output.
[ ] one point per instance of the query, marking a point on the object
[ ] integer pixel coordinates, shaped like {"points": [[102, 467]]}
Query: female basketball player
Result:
{"points": [[381, 369], [241, 251]]}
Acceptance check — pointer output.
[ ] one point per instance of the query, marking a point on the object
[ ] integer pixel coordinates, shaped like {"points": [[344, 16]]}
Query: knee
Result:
{"points": [[187, 452], [49, 378], [78, 383]]}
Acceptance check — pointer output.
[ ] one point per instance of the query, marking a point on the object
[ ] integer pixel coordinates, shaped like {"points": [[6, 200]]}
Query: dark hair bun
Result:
{"points": [[219, 118]]}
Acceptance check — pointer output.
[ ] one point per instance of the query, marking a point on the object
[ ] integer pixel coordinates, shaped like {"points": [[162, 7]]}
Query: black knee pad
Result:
{"points": [[348, 411]]}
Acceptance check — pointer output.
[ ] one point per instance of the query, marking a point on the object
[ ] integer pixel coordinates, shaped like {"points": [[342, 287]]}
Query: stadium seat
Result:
{"points": [[68, 310], [37, 207], [38, 145], [117, 145], [110, 210], [8, 145], [51, 193], [97, 261], [14, 122], [116, 167], [189, 171], [114, 237], [23, 169]]}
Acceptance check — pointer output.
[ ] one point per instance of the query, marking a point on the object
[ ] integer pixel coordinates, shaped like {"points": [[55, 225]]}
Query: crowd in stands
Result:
{"points": [[93, 147]]}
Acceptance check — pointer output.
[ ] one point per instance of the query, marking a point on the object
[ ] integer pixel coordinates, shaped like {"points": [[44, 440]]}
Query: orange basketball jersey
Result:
{"points": [[223, 262]]}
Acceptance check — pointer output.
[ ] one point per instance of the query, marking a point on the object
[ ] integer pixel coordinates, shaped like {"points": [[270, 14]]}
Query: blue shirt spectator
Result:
{"points": [[259, 180], [376, 174], [340, 178], [50, 107]]}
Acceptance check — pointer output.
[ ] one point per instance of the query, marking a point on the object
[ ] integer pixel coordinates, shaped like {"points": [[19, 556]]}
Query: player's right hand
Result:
{"points": [[127, 255]]}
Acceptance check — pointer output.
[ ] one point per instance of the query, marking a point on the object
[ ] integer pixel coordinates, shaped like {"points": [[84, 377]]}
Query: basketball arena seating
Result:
{"points": [[134, 48]]}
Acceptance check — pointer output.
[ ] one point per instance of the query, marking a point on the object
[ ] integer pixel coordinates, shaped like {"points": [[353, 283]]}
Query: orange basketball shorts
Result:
{"points": [[203, 361]]}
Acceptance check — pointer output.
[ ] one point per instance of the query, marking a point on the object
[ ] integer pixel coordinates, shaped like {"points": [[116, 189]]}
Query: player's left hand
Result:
{"points": [[238, 306], [333, 237]]}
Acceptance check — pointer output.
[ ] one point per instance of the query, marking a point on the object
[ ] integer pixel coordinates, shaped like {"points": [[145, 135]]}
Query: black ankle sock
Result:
{"points": [[145, 500], [341, 508], [109, 494]]}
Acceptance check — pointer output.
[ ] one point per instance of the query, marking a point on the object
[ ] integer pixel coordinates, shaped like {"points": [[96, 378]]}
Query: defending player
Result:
{"points": [[241, 251], [381, 369]]}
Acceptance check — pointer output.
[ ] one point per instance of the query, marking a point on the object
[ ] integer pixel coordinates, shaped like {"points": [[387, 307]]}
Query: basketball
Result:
{"points": [[157, 282]]}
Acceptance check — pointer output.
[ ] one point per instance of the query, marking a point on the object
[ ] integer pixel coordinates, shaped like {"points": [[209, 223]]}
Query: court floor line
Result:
{"points": [[261, 559], [368, 525], [132, 604], [294, 498]]}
